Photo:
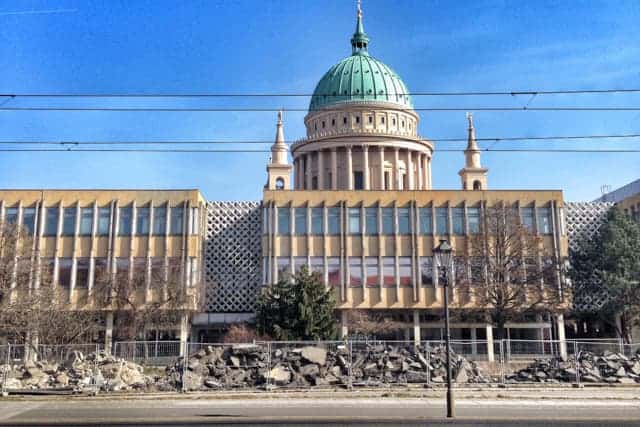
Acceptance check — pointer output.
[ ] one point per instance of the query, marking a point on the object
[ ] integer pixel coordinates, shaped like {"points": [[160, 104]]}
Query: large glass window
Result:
{"points": [[301, 221], [176, 222], [86, 221], [159, 221], [316, 265], [371, 221], [333, 219], [426, 271], [29, 219], [157, 270], [442, 221], [333, 271], [404, 269], [355, 271], [104, 220], [354, 221], [284, 220], [460, 269], [11, 215], [404, 222], [317, 221], [458, 220], [51, 221], [388, 271], [358, 180], [299, 262], [387, 221], [68, 221], [122, 268], [126, 217], [64, 272], [544, 220], [46, 271], [82, 273], [373, 273], [143, 219], [527, 218], [477, 270], [139, 271], [284, 267], [425, 220], [473, 220]]}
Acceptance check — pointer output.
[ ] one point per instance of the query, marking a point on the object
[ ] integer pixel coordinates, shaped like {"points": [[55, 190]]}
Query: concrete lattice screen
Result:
{"points": [[233, 256]]}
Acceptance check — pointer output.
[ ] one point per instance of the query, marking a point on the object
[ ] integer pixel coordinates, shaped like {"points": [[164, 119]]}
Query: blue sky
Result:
{"points": [[213, 46]]}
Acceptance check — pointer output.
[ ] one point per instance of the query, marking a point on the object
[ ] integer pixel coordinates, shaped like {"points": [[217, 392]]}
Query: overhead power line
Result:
{"points": [[255, 109], [293, 94], [176, 150], [270, 141]]}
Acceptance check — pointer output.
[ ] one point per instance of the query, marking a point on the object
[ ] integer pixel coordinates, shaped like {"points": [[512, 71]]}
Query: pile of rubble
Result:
{"points": [[95, 371], [607, 367], [250, 366]]}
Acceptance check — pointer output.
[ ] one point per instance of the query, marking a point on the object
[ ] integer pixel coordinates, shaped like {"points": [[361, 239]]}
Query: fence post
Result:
{"points": [[5, 375], [576, 358], [268, 388], [621, 345], [428, 357], [185, 358], [350, 370], [503, 380]]}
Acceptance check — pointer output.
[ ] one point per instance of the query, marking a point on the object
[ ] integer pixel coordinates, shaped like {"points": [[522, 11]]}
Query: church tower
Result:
{"points": [[473, 175], [279, 169]]}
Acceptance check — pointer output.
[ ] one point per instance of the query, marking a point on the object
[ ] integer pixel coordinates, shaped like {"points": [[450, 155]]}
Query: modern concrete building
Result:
{"points": [[359, 209]]}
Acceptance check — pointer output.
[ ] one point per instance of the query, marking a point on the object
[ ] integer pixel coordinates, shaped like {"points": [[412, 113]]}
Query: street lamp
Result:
{"points": [[443, 255]]}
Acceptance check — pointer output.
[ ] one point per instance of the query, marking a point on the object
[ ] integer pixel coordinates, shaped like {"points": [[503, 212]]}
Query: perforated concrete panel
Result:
{"points": [[583, 222], [233, 256]]}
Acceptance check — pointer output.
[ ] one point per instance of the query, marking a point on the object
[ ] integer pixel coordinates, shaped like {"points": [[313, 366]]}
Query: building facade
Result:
{"points": [[353, 201]]}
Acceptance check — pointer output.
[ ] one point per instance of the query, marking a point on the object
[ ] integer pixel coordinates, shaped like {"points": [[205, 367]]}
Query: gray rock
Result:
{"points": [[279, 376], [315, 355]]}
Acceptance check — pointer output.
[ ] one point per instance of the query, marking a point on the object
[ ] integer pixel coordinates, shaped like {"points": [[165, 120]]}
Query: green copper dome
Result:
{"points": [[360, 77]]}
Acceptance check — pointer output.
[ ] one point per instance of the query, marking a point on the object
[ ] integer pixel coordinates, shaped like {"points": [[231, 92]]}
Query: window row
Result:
{"points": [[323, 124], [376, 271], [162, 224], [154, 269], [389, 221]]}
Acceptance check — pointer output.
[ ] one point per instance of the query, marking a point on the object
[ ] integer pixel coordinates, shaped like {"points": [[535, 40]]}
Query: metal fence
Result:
{"points": [[355, 364]]}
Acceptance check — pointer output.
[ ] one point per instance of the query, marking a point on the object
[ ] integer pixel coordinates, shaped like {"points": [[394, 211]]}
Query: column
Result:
{"points": [[416, 327], [489, 333], [108, 332], [561, 337], [381, 154], [349, 169], [420, 176], [334, 169], [410, 175], [308, 165], [296, 172], [184, 333], [365, 166], [427, 172], [396, 167], [344, 324], [474, 337], [320, 170]]}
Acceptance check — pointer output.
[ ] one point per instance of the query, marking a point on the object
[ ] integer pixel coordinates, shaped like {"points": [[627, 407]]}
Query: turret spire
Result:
{"points": [[278, 168], [474, 176], [359, 41], [471, 140]]}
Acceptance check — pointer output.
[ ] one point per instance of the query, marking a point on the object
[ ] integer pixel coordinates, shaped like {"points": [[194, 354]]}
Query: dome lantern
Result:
{"points": [[359, 41]]}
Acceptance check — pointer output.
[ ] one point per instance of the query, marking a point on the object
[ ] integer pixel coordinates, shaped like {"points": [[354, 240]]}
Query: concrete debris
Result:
{"points": [[606, 367], [95, 371], [250, 366]]}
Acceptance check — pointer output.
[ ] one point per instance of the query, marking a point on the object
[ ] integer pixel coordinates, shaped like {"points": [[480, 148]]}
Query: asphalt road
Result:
{"points": [[320, 412]]}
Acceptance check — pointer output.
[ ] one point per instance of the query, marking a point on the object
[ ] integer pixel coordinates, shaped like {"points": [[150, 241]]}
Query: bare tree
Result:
{"points": [[511, 275], [372, 324], [35, 311], [140, 304]]}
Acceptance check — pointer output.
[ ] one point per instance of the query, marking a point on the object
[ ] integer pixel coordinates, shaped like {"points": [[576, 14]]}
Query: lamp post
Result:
{"points": [[443, 257]]}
